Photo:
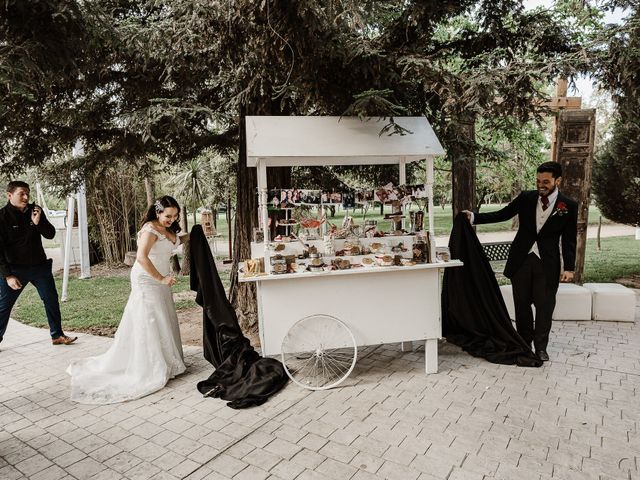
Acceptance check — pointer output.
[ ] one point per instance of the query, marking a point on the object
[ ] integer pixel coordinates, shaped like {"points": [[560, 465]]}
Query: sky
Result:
{"points": [[583, 85]]}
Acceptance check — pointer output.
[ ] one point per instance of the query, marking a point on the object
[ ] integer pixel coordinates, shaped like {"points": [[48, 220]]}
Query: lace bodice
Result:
{"points": [[161, 250]]}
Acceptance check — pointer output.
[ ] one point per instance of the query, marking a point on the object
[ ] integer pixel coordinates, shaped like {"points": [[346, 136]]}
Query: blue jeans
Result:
{"points": [[41, 278]]}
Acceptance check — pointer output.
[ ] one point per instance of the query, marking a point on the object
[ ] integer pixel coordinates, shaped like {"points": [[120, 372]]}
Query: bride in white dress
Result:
{"points": [[147, 350]]}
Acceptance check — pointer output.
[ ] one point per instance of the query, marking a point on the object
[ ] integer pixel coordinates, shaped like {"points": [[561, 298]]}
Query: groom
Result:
{"points": [[23, 260], [547, 219]]}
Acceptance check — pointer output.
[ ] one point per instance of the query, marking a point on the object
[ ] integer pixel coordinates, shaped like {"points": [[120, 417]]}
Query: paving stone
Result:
{"points": [[252, 473], [85, 468], [109, 475], [203, 454], [227, 465], [283, 448], [262, 459], [308, 459], [122, 462], [333, 469], [105, 453], [395, 471], [69, 458], [311, 441], [287, 470], [576, 417], [33, 465], [149, 451], [53, 472], [10, 473], [183, 469], [336, 451], [143, 471]]}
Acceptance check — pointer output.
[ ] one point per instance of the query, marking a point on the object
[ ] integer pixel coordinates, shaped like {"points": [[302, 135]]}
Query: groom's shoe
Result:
{"points": [[63, 340], [543, 355]]}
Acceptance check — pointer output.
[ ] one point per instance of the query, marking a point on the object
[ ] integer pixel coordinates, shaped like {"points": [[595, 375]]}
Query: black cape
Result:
{"points": [[241, 375], [474, 315]]}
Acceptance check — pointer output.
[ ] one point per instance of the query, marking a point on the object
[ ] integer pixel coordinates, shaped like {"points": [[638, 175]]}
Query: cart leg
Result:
{"points": [[431, 355], [406, 346]]}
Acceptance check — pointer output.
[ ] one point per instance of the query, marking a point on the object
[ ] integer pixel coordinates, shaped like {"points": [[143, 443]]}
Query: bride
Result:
{"points": [[147, 350]]}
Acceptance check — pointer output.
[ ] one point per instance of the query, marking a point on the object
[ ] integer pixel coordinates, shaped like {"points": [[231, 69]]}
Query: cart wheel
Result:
{"points": [[319, 352]]}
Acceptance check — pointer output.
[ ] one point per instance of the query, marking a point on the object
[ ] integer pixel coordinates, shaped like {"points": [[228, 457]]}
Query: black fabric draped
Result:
{"points": [[241, 375], [474, 315]]}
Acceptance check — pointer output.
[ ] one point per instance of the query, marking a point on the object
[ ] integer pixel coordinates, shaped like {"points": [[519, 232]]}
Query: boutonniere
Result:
{"points": [[561, 209]]}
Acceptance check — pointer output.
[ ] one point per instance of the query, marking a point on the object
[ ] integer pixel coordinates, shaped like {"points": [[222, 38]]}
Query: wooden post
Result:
{"points": [[576, 131]]}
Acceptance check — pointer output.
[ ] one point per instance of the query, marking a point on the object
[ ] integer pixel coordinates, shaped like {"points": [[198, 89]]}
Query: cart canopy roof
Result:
{"points": [[308, 140]]}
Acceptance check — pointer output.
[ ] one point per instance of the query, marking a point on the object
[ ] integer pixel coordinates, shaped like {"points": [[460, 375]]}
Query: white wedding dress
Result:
{"points": [[147, 349]]}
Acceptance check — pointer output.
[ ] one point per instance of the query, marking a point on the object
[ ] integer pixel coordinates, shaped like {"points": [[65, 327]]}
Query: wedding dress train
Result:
{"points": [[147, 349]]}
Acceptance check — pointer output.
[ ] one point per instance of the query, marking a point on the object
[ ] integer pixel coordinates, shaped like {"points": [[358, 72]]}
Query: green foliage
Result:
{"points": [[616, 174], [135, 79]]}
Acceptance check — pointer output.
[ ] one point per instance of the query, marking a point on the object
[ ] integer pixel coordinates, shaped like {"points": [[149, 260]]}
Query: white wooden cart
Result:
{"points": [[328, 314]]}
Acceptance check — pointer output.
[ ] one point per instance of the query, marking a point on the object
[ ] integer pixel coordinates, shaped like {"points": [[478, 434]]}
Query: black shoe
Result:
{"points": [[543, 355]]}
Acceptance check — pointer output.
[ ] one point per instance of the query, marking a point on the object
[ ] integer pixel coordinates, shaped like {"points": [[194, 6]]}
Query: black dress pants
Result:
{"points": [[530, 287]]}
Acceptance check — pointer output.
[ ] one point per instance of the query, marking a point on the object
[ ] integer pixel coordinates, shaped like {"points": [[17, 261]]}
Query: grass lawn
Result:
{"points": [[619, 257], [93, 303]]}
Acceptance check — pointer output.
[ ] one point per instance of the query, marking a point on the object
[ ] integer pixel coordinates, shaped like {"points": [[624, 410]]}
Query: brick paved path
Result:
{"points": [[576, 418]]}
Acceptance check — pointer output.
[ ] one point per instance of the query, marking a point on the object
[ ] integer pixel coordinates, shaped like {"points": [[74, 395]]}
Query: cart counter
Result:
{"points": [[378, 304]]}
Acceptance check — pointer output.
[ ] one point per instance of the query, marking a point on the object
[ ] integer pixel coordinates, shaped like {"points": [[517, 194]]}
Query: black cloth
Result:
{"points": [[474, 315], [241, 375], [20, 239], [561, 225]]}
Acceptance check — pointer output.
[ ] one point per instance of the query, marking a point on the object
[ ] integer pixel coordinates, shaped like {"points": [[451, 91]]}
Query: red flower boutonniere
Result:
{"points": [[561, 209]]}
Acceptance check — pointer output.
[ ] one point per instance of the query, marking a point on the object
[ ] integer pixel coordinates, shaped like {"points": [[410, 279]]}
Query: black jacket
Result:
{"points": [[20, 239], [561, 225]]}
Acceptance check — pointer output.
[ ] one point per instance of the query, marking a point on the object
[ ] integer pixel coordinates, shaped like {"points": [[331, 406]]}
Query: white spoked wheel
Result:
{"points": [[319, 352]]}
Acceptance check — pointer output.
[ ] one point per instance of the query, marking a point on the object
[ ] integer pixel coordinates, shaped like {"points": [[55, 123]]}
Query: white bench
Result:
{"points": [[612, 302], [573, 302]]}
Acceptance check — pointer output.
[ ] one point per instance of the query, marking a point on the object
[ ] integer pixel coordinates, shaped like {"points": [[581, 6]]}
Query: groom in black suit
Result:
{"points": [[547, 219]]}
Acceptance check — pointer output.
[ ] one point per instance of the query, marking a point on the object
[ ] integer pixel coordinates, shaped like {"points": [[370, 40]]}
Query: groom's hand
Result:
{"points": [[13, 282], [469, 215], [567, 277]]}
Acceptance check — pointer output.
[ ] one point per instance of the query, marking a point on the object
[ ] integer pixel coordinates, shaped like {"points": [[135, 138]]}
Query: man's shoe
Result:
{"points": [[543, 355], [63, 340]]}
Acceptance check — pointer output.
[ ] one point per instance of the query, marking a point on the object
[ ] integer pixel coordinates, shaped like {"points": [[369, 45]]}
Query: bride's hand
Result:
{"points": [[168, 280]]}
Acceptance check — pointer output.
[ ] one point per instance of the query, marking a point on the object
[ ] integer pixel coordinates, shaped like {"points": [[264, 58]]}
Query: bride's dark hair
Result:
{"points": [[158, 207]]}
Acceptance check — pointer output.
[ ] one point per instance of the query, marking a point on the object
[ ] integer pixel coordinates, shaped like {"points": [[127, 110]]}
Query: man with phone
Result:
{"points": [[23, 260]]}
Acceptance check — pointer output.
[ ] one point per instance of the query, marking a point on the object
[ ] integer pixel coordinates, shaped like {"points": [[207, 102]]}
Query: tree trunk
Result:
{"points": [[150, 190], [243, 295], [186, 248], [230, 237], [516, 188], [464, 170]]}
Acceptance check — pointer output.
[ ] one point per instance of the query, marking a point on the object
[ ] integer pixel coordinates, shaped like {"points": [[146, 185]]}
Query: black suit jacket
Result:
{"points": [[560, 227]]}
